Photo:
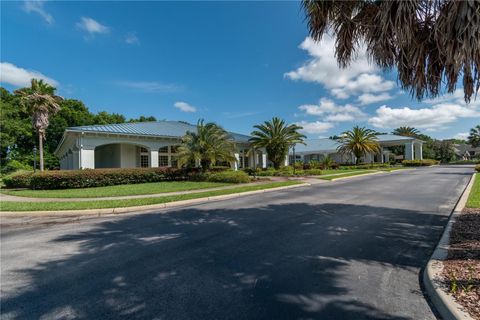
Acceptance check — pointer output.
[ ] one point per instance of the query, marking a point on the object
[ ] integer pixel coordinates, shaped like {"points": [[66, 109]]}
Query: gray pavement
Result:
{"points": [[351, 249]]}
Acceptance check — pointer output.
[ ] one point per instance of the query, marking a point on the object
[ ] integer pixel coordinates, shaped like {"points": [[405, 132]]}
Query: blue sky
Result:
{"points": [[235, 63]]}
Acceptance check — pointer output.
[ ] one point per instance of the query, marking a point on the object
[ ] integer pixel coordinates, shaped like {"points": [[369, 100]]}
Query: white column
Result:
{"points": [[264, 160], [408, 151], [381, 155], [387, 156], [235, 163], [87, 158], [418, 151], [287, 160], [154, 158]]}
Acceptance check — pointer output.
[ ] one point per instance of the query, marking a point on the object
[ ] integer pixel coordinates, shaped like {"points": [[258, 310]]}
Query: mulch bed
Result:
{"points": [[462, 266]]}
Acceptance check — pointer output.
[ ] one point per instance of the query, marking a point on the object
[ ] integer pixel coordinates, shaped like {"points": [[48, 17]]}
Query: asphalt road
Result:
{"points": [[342, 250]]}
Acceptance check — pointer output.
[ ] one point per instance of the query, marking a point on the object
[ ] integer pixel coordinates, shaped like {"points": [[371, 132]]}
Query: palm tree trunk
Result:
{"points": [[40, 149]]}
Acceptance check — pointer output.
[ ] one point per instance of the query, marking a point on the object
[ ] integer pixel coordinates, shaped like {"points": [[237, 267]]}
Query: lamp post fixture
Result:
{"points": [[294, 159], [34, 158]]}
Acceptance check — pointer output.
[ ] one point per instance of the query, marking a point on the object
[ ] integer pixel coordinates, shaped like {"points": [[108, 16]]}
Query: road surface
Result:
{"points": [[351, 249]]}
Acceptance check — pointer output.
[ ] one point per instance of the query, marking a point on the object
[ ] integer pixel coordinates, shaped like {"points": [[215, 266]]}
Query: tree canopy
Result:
{"points": [[429, 42], [17, 136]]}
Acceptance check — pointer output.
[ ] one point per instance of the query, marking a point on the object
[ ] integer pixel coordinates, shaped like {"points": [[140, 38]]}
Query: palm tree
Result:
{"points": [[359, 141], [474, 136], [209, 144], [276, 137], [406, 132], [41, 101], [425, 40]]}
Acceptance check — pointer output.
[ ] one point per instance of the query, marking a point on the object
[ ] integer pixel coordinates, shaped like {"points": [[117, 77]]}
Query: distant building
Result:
{"points": [[466, 151], [138, 145], [318, 149]]}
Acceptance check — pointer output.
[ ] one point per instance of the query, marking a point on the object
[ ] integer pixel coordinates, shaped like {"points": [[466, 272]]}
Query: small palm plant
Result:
{"points": [[208, 145], [276, 137], [41, 101], [327, 162], [358, 141]]}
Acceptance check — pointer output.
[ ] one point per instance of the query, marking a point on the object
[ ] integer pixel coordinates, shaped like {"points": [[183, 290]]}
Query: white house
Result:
{"points": [[134, 145], [317, 149]]}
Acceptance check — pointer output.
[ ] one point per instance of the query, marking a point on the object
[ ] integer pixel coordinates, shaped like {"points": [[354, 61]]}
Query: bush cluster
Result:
{"points": [[282, 172], [63, 179], [473, 161], [67, 179], [477, 168], [420, 163], [372, 165]]}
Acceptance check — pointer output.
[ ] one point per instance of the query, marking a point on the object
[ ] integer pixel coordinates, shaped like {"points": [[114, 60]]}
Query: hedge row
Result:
{"points": [[282, 172], [67, 179], [477, 168], [420, 163]]}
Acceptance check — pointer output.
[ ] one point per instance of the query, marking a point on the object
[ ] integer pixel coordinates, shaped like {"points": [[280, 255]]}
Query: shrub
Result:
{"points": [[473, 161], [477, 168], [88, 178], [220, 168], [229, 177], [19, 179], [14, 165], [419, 163], [313, 172], [266, 173]]}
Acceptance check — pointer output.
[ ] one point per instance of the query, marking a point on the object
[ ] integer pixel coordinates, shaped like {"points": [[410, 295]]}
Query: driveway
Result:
{"points": [[350, 249]]}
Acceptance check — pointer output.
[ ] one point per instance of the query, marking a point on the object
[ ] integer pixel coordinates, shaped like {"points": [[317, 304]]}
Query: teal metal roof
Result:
{"points": [[174, 129], [328, 145]]}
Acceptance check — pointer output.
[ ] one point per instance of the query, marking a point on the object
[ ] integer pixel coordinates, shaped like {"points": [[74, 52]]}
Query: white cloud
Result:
{"points": [[462, 135], [368, 98], [432, 118], [150, 86], [19, 77], [315, 126], [457, 97], [92, 26], [185, 107], [359, 77], [131, 38], [37, 7], [330, 111]]}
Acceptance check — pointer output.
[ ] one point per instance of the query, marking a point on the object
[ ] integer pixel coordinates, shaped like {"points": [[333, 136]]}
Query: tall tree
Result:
{"points": [[41, 101], [474, 136], [276, 137], [359, 142], [429, 42], [406, 132], [209, 144]]}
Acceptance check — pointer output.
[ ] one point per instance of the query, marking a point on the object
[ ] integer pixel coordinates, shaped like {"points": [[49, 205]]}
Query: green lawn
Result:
{"points": [[98, 204], [348, 174], [474, 197], [117, 191]]}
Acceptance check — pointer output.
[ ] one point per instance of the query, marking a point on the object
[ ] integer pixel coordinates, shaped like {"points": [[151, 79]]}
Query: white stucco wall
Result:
{"points": [[128, 156]]}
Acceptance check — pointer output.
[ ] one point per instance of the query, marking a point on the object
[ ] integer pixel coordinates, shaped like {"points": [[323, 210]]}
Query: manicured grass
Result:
{"points": [[335, 171], [117, 191], [348, 174], [474, 197], [99, 204]]}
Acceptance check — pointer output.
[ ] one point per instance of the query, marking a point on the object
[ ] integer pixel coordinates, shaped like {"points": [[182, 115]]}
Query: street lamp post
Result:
{"points": [[34, 158], [294, 159]]}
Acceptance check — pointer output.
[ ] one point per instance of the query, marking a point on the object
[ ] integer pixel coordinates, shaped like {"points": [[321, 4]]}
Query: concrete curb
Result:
{"points": [[445, 304], [109, 211], [358, 175]]}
